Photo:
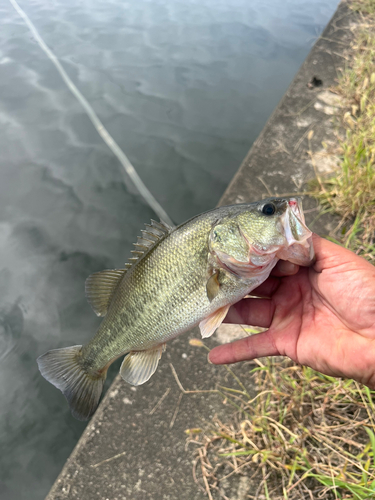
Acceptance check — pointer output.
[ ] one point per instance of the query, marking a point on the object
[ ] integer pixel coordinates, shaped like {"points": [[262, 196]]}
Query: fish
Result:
{"points": [[177, 278]]}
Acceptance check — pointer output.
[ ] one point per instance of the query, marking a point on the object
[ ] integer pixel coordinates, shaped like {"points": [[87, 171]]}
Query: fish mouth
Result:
{"points": [[299, 249]]}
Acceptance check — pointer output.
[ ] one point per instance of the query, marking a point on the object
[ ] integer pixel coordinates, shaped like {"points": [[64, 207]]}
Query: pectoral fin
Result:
{"points": [[213, 286], [138, 367], [209, 324]]}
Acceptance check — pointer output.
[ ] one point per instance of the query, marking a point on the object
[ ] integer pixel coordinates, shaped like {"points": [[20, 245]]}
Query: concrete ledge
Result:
{"points": [[134, 447]]}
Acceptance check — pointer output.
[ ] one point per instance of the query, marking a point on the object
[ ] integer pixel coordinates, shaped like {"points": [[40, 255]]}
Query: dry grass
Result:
{"points": [[304, 436]]}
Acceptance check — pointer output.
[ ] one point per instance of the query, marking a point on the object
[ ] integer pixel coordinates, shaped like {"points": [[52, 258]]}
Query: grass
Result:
{"points": [[350, 192], [364, 6], [304, 436]]}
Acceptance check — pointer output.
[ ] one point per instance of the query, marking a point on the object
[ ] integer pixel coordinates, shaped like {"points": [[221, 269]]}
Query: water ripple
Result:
{"points": [[11, 328]]}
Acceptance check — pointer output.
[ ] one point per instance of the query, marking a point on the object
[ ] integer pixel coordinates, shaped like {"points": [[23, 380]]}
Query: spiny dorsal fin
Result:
{"points": [[161, 225], [100, 288], [151, 236]]}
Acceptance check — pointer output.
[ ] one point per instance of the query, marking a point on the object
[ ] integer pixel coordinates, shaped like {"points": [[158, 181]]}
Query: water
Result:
{"points": [[184, 87]]}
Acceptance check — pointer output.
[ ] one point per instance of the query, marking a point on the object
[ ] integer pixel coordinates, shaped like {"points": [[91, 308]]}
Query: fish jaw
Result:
{"points": [[257, 264], [299, 247]]}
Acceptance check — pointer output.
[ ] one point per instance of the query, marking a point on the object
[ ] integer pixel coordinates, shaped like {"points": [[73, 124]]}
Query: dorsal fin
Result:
{"points": [[100, 288], [151, 236], [161, 225]]}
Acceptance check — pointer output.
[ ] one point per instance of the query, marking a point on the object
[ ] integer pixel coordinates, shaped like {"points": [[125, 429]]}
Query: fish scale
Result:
{"points": [[157, 284], [177, 278]]}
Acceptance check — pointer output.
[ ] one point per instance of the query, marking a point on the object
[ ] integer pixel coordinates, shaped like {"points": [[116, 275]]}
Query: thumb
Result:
{"points": [[255, 346]]}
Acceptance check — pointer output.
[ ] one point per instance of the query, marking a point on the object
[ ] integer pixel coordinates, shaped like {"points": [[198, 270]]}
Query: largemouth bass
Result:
{"points": [[177, 279]]}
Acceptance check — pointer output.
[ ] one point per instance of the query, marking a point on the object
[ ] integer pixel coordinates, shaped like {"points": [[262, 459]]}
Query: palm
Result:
{"points": [[323, 317]]}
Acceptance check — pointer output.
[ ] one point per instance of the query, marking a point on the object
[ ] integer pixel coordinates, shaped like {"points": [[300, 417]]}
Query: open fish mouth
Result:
{"points": [[299, 249], [295, 244]]}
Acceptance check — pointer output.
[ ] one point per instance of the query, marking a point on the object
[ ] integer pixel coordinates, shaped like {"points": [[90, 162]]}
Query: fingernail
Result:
{"points": [[287, 267], [208, 359]]}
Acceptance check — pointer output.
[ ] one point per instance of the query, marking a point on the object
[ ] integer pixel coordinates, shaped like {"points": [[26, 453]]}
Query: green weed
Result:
{"points": [[350, 192]]}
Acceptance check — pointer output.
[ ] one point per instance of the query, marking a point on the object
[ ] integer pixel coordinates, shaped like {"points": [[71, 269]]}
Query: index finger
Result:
{"points": [[255, 346]]}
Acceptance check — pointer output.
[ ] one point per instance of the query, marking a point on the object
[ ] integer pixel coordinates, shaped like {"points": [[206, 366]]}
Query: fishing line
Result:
{"points": [[102, 131]]}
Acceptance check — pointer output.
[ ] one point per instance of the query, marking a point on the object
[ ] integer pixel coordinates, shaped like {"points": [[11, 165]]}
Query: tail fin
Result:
{"points": [[63, 368]]}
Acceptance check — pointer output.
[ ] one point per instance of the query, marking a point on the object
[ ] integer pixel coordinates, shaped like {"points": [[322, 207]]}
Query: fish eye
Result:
{"points": [[268, 209]]}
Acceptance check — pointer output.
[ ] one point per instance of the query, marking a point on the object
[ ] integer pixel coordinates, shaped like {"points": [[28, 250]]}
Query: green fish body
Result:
{"points": [[177, 279]]}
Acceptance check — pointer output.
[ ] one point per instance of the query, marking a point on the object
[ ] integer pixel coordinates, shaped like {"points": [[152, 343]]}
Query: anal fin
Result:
{"points": [[213, 321], [139, 366]]}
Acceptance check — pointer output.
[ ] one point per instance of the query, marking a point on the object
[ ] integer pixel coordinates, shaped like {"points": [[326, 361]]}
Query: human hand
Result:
{"points": [[322, 316]]}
